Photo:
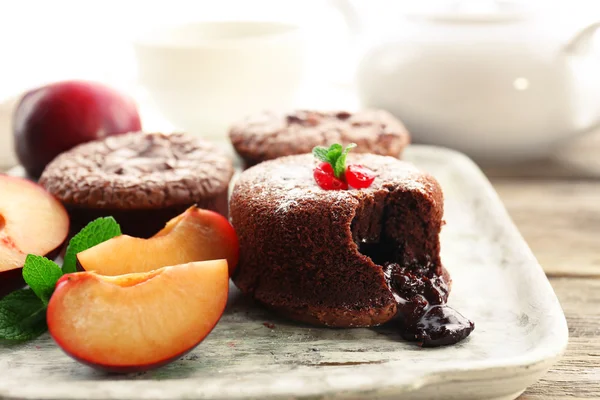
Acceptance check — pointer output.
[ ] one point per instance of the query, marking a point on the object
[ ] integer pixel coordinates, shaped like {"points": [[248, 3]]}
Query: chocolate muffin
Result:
{"points": [[345, 258], [270, 135], [142, 179]]}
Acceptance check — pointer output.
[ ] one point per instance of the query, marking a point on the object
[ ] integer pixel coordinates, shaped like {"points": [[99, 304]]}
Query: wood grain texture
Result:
{"points": [[560, 220], [577, 374], [556, 205]]}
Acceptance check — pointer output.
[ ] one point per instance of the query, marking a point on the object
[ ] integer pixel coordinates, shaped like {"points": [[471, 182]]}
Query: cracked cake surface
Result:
{"points": [[269, 135], [323, 256], [142, 179], [138, 170]]}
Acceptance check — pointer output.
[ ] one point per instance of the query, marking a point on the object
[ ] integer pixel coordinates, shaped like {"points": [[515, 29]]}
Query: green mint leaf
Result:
{"points": [[340, 164], [96, 232], [349, 147], [41, 275], [335, 147], [320, 153], [333, 153], [22, 316]]}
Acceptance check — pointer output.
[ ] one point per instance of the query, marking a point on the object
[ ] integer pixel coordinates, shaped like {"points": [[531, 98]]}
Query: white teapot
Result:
{"points": [[493, 83]]}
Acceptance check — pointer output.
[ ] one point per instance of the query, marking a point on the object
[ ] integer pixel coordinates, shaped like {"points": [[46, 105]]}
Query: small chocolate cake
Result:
{"points": [[270, 135], [142, 179], [346, 258]]}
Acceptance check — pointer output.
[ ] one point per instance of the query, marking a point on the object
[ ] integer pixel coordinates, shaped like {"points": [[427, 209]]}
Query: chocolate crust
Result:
{"points": [[141, 179], [270, 135], [344, 318], [305, 252], [145, 222], [138, 171]]}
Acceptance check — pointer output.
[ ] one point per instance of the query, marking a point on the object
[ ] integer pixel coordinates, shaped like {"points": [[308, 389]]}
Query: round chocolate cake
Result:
{"points": [[142, 179], [270, 135], [307, 251], [346, 258]]}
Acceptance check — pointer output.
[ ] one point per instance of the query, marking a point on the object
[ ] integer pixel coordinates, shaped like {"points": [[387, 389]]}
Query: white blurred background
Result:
{"points": [[42, 41], [45, 41]]}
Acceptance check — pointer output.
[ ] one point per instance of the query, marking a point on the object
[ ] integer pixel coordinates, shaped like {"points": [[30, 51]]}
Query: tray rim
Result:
{"points": [[531, 362]]}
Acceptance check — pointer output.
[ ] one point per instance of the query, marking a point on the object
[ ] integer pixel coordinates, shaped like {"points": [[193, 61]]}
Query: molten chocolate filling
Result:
{"points": [[399, 246], [422, 309]]}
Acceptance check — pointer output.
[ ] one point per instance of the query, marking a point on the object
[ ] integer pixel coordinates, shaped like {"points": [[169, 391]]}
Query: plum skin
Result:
{"points": [[55, 118], [12, 279], [117, 369]]}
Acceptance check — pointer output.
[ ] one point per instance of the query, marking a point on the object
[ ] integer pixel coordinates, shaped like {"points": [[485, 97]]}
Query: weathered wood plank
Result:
{"points": [[555, 203], [577, 374], [560, 220]]}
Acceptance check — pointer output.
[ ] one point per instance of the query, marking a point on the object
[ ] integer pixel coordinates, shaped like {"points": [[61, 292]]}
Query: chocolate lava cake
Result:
{"points": [[346, 258], [141, 179], [269, 135]]}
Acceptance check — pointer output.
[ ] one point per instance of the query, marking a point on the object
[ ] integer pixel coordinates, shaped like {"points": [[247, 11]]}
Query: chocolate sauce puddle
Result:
{"points": [[423, 314]]}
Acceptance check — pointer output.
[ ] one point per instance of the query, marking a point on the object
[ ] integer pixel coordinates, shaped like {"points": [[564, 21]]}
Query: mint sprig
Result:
{"points": [[23, 312], [335, 155], [22, 316], [41, 275], [94, 233]]}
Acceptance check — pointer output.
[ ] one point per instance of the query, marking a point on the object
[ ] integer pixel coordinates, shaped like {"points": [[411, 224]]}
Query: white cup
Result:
{"points": [[205, 75]]}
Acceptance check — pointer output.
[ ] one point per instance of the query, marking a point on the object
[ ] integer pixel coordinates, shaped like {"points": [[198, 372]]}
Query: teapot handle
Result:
{"points": [[350, 15], [582, 40]]}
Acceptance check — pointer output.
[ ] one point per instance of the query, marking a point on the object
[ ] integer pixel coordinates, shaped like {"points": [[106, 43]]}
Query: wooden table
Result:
{"points": [[556, 205]]}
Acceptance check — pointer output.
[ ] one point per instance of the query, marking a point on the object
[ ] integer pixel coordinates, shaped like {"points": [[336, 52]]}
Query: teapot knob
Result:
{"points": [[582, 40]]}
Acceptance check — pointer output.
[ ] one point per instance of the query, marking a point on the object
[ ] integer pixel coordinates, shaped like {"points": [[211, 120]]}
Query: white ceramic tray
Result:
{"points": [[520, 331]]}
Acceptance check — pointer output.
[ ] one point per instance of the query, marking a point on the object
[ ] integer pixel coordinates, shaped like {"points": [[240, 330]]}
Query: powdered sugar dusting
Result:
{"points": [[287, 182], [287, 185], [291, 199]]}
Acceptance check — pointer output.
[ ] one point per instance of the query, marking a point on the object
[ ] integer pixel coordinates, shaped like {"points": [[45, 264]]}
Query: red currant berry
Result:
{"points": [[326, 179], [327, 168], [359, 177]]}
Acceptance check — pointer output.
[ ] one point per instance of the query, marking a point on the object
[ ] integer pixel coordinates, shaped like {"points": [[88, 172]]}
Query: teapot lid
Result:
{"points": [[472, 11]]}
